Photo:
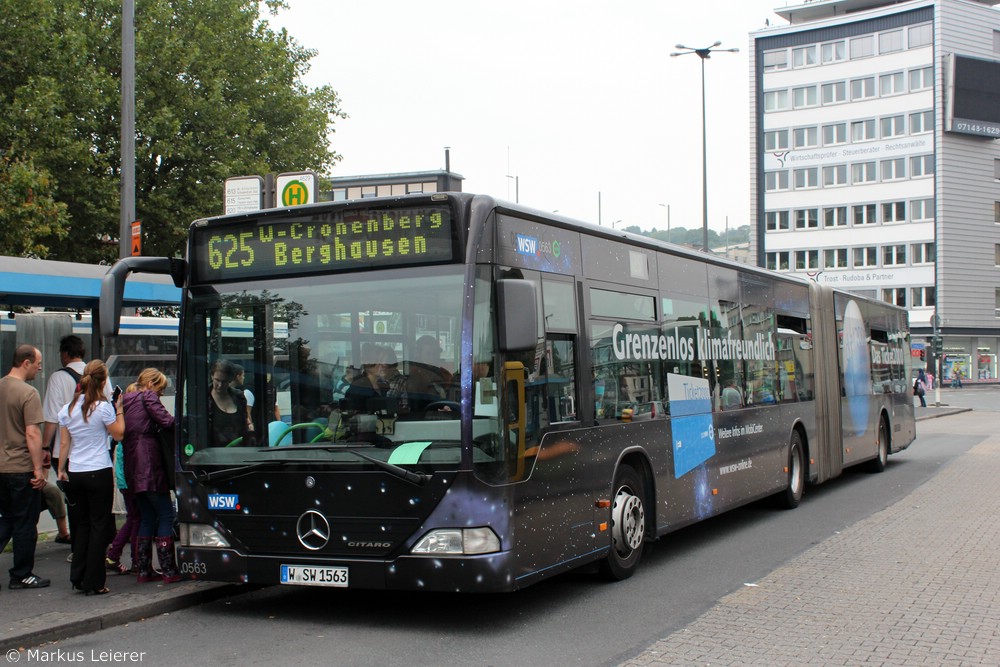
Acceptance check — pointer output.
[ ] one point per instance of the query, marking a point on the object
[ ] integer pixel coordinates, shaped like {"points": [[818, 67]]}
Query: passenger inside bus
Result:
{"points": [[428, 381], [228, 408], [732, 398], [379, 380]]}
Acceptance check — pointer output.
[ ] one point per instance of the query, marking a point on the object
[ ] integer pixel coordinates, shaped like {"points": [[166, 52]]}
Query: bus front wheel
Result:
{"points": [[628, 525]]}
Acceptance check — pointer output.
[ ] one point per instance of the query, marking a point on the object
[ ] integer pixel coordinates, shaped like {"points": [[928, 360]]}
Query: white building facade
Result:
{"points": [[860, 181]]}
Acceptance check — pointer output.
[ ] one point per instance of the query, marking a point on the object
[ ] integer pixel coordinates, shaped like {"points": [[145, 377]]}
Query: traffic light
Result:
{"points": [[923, 355], [938, 345]]}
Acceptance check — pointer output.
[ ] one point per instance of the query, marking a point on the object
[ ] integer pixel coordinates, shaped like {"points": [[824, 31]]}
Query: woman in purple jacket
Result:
{"points": [[146, 473]]}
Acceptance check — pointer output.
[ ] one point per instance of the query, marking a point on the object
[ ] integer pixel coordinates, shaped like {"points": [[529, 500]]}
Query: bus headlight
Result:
{"points": [[458, 542], [201, 535]]}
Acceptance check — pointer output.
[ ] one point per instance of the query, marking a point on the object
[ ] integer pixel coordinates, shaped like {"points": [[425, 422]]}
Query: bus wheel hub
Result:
{"points": [[628, 520]]}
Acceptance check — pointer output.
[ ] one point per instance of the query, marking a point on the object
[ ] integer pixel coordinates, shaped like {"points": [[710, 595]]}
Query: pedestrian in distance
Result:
{"points": [[22, 473], [148, 473], [920, 387], [85, 466]]}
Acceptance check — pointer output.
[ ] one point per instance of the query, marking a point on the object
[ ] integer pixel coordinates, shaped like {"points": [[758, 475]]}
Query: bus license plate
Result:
{"points": [[307, 575]]}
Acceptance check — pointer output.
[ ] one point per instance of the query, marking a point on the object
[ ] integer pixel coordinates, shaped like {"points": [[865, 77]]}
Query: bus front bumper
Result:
{"points": [[481, 573]]}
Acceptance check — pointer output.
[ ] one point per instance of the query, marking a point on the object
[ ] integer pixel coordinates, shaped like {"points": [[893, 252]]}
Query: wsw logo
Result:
{"points": [[529, 245]]}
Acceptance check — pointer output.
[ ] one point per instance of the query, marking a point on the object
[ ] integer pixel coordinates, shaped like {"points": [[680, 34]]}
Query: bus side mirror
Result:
{"points": [[518, 312]]}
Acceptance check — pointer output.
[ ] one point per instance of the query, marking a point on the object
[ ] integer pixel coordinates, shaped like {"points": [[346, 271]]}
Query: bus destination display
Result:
{"points": [[335, 241]]}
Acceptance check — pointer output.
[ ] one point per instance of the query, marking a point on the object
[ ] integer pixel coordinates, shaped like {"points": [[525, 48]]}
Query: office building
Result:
{"points": [[876, 166]]}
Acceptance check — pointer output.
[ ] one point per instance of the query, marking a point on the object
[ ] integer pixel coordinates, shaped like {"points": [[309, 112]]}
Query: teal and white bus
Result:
{"points": [[482, 395]]}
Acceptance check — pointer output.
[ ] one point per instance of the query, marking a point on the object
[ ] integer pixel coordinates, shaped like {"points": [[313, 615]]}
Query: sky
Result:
{"points": [[575, 107]]}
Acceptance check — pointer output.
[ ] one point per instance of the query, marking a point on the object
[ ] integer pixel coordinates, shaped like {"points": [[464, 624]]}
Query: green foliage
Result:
{"points": [[219, 93], [693, 237], [27, 210]]}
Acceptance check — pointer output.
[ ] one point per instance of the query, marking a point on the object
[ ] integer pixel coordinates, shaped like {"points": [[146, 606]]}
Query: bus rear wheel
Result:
{"points": [[792, 495], [628, 525], [881, 460]]}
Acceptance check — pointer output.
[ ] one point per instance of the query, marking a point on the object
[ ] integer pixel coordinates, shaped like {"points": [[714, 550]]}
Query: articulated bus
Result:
{"points": [[482, 395]]}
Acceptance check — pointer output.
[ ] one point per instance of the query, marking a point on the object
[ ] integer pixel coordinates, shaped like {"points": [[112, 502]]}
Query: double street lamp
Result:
{"points": [[704, 54]]}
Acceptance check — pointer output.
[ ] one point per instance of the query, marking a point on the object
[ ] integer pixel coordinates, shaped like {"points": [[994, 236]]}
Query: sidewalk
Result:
{"points": [[32, 617], [913, 584]]}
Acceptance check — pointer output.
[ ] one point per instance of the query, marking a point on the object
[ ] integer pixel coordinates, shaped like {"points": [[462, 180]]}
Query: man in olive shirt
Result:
{"points": [[22, 474]]}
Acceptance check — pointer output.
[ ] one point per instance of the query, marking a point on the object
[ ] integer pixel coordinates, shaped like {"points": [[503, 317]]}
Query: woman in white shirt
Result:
{"points": [[84, 426]]}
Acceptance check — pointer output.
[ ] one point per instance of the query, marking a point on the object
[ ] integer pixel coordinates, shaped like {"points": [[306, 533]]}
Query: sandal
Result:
{"points": [[115, 566], [99, 591]]}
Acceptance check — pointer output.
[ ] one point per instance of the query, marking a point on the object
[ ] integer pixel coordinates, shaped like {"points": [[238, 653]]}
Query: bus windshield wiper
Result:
{"points": [[417, 478], [239, 471]]}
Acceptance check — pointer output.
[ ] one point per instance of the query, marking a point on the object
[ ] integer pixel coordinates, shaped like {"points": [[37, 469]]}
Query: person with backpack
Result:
{"points": [[59, 390]]}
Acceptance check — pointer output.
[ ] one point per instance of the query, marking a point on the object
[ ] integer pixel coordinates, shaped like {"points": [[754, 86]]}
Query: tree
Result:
{"points": [[219, 93], [27, 210]]}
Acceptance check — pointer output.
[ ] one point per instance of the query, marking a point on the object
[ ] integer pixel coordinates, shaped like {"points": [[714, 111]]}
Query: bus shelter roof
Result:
{"points": [[47, 283]]}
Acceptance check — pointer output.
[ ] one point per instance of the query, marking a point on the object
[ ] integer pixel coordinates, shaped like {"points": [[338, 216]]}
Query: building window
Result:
{"points": [[864, 214], [775, 181], [921, 165], [776, 220], [777, 261], [921, 35], [890, 42], [863, 130], [996, 251], [833, 52], [776, 140], [835, 216], [835, 258], [805, 137], [894, 169], [369, 191], [921, 121], [804, 56], [895, 296], [922, 210], [774, 60], [862, 89], [862, 47], [865, 257], [921, 79], [893, 126], [863, 172], [834, 93], [996, 212], [835, 175], [806, 259], [835, 134], [776, 100], [807, 218], [894, 255], [996, 307], [923, 297], [922, 253], [892, 84], [894, 211], [804, 97], [806, 178]]}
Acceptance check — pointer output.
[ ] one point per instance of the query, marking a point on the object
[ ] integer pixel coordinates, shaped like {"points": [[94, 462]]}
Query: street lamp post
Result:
{"points": [[704, 54], [517, 188], [667, 206]]}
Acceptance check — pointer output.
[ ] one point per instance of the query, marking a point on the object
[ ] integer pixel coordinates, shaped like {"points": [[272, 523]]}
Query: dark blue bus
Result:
{"points": [[463, 385]]}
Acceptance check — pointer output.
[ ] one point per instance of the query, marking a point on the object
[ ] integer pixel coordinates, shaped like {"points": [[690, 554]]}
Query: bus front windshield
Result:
{"points": [[337, 369]]}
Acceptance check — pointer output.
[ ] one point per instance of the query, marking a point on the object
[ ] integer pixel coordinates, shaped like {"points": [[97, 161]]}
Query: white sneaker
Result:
{"points": [[69, 558]]}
